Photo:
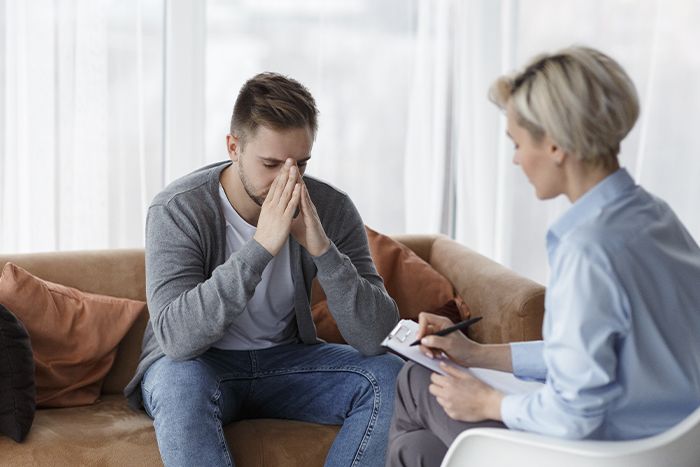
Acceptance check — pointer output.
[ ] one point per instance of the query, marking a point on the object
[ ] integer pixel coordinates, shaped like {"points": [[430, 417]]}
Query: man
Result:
{"points": [[231, 251]]}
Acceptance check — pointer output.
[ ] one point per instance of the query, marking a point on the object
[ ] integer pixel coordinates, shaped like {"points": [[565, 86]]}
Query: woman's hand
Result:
{"points": [[464, 397], [458, 347]]}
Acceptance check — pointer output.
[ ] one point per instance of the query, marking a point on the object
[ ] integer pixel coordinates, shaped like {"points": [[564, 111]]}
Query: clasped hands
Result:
{"points": [[287, 194], [462, 396]]}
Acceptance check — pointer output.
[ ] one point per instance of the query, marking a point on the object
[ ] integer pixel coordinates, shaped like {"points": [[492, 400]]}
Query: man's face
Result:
{"points": [[263, 154]]}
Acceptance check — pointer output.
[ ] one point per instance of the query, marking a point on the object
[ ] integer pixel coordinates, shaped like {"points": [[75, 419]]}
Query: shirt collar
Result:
{"points": [[591, 203]]}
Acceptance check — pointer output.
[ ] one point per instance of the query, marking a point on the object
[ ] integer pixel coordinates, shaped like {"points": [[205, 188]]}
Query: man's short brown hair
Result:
{"points": [[274, 101]]}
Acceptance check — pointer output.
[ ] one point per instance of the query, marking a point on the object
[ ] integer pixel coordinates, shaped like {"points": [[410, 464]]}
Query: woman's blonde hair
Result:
{"points": [[579, 96]]}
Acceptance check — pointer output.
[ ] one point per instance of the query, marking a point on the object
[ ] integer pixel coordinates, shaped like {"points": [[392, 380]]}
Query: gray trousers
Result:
{"points": [[421, 431]]}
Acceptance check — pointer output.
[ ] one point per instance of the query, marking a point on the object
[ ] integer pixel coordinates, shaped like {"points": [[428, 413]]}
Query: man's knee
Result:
{"points": [[180, 385], [380, 374], [385, 368]]}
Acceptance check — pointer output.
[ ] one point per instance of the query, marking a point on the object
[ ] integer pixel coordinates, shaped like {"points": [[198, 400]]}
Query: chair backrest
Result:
{"points": [[677, 447]]}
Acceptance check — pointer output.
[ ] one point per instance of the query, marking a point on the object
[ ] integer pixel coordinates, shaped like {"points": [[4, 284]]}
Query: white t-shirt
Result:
{"points": [[269, 318]]}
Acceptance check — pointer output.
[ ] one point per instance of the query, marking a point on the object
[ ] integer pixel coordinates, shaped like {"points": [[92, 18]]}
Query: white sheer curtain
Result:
{"points": [[495, 209], [81, 125], [656, 42], [356, 58], [450, 124], [427, 167], [104, 102]]}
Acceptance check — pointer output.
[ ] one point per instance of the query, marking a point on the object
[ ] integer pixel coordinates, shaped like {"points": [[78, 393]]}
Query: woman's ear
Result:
{"points": [[556, 153]]}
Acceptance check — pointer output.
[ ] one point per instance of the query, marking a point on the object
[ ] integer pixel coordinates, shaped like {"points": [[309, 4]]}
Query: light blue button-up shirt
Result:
{"points": [[621, 351]]}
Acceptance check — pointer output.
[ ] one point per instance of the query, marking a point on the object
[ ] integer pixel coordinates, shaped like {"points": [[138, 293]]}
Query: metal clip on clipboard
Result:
{"points": [[400, 333]]}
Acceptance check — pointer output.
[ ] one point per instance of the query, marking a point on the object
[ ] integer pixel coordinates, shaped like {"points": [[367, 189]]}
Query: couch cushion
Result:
{"points": [[74, 334], [289, 443], [109, 434], [17, 391], [409, 280]]}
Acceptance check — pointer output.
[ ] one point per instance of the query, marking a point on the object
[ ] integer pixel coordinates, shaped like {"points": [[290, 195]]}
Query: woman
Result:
{"points": [[620, 357]]}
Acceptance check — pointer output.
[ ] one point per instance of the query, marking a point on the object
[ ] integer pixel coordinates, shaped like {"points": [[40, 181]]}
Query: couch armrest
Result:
{"points": [[512, 305]]}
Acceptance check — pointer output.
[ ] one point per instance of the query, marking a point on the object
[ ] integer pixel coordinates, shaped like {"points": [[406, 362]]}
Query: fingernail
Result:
{"points": [[288, 162]]}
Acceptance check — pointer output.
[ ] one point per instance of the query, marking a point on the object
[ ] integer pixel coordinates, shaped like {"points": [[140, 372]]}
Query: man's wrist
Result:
{"points": [[321, 251], [264, 243]]}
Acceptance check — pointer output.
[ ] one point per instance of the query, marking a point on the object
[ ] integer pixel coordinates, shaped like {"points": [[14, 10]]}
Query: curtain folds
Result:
{"points": [[489, 204], [104, 102], [81, 121]]}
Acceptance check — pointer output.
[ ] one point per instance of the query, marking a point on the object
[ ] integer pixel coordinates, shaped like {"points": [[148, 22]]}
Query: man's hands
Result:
{"points": [[464, 397], [278, 209], [307, 228], [276, 221]]}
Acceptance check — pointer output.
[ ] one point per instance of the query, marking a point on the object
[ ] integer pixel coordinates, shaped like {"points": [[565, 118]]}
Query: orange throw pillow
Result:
{"points": [[409, 280], [74, 335]]}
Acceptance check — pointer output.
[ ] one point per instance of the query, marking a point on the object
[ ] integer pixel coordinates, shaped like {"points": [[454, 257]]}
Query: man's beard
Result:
{"points": [[248, 187]]}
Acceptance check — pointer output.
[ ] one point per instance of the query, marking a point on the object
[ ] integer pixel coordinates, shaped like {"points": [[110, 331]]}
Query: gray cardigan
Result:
{"points": [[195, 293]]}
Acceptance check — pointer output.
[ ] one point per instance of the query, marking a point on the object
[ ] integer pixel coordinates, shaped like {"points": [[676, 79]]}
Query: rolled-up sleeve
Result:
{"points": [[528, 360]]}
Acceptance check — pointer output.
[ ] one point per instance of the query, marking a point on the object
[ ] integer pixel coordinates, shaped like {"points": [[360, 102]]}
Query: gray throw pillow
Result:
{"points": [[17, 389]]}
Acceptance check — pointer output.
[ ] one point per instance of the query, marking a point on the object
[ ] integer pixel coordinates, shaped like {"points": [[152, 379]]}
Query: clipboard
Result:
{"points": [[399, 341]]}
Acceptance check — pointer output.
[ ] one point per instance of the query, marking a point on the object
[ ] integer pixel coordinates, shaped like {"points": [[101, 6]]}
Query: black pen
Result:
{"points": [[461, 325]]}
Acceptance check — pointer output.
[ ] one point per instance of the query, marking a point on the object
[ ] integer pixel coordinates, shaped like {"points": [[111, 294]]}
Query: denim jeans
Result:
{"points": [[190, 401]]}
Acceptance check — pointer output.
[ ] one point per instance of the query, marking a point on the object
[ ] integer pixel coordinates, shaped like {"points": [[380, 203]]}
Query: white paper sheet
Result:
{"points": [[400, 338]]}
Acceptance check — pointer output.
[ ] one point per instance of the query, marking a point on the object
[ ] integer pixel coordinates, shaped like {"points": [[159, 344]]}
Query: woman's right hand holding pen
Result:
{"points": [[458, 347]]}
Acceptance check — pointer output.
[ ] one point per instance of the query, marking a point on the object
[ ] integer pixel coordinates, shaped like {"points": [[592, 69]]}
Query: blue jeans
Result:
{"points": [[190, 401]]}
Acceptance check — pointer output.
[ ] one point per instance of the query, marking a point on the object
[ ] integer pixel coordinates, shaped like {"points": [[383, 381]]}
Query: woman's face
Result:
{"points": [[537, 159]]}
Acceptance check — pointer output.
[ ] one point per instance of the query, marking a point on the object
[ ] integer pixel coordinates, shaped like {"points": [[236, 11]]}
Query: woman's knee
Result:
{"points": [[413, 376], [416, 448]]}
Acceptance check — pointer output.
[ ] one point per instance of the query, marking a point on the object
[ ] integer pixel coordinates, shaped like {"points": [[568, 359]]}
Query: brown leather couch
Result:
{"points": [[108, 433]]}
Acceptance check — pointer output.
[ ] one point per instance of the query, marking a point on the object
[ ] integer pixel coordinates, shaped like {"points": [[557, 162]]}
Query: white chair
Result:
{"points": [[496, 447]]}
